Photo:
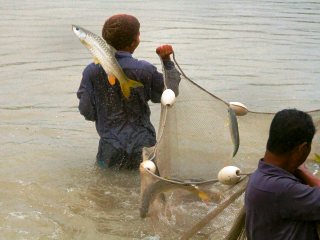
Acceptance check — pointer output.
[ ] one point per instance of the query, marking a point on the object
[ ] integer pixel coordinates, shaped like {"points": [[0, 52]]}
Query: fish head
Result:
{"points": [[80, 32]]}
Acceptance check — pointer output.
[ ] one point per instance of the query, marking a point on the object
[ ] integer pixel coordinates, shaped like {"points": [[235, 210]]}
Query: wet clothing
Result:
{"points": [[279, 206], [123, 124]]}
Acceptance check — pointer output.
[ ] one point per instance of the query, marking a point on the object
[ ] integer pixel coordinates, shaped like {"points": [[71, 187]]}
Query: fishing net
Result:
{"points": [[194, 140], [197, 138]]}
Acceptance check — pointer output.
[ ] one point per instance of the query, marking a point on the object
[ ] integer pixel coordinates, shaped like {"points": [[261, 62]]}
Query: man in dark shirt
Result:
{"points": [[123, 124], [282, 199]]}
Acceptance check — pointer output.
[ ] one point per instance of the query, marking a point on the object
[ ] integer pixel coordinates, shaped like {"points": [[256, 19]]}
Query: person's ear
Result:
{"points": [[304, 149], [303, 146], [135, 43], [137, 38]]}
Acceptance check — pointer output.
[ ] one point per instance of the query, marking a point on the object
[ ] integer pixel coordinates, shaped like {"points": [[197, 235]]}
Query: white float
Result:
{"points": [[149, 165], [239, 108], [168, 97], [229, 175]]}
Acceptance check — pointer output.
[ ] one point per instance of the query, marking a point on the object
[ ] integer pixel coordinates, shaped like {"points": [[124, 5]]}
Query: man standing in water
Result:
{"points": [[124, 125], [282, 200]]}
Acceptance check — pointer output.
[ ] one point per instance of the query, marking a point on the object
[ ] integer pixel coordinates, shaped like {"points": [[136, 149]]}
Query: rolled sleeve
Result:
{"points": [[168, 64], [172, 76]]}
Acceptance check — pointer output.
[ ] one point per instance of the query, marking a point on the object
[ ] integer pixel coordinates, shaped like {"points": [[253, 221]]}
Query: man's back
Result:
{"points": [[124, 122]]}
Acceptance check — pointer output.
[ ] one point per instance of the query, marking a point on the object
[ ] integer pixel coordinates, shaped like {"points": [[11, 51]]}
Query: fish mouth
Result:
{"points": [[75, 28]]}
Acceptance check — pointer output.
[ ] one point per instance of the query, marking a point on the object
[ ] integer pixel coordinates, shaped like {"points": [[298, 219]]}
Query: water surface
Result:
{"points": [[264, 54]]}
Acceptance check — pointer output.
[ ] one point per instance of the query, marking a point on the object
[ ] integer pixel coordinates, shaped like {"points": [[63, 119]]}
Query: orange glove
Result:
{"points": [[164, 51]]}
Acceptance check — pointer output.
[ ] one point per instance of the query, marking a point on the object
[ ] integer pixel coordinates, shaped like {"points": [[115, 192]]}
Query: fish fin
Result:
{"points": [[95, 60], [125, 87], [134, 84], [203, 196], [111, 79]]}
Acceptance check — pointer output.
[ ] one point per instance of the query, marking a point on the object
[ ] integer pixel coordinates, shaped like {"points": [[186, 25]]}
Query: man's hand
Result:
{"points": [[304, 174], [164, 51]]}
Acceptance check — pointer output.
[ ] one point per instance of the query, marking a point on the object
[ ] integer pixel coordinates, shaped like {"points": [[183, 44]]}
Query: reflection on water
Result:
{"points": [[263, 53]]}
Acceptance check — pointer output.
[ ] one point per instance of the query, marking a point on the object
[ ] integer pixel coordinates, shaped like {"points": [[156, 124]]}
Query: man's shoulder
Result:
{"points": [[91, 69], [134, 63], [146, 65], [269, 182]]}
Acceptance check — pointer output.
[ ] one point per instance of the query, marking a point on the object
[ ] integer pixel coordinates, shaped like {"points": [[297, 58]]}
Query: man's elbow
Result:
{"points": [[155, 97], [87, 112]]}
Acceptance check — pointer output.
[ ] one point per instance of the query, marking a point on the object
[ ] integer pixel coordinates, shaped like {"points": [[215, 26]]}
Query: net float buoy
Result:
{"points": [[149, 165], [229, 175], [239, 108], [168, 97]]}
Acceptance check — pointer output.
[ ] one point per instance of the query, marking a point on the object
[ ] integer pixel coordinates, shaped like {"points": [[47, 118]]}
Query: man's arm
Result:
{"points": [[303, 173], [171, 73], [86, 96]]}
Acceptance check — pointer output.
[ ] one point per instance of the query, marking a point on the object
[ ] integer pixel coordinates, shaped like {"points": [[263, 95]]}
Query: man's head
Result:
{"points": [[291, 129], [122, 31]]}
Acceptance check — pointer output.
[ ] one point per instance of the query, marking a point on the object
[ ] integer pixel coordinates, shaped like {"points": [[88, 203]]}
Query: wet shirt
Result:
{"points": [[279, 206], [124, 123]]}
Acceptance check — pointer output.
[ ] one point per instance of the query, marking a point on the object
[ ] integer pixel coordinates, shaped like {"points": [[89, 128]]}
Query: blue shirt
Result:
{"points": [[279, 206], [124, 123]]}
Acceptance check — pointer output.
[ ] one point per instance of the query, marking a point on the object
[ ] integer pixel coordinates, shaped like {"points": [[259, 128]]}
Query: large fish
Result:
{"points": [[153, 186], [150, 194], [104, 54]]}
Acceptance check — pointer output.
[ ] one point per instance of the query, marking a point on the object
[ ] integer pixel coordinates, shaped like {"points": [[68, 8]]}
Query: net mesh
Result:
{"points": [[194, 140]]}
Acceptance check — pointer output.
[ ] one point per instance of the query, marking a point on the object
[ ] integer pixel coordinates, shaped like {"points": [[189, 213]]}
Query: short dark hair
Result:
{"points": [[120, 30], [289, 128]]}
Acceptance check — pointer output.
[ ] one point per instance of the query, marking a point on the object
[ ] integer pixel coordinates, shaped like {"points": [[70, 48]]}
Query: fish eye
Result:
{"points": [[77, 29]]}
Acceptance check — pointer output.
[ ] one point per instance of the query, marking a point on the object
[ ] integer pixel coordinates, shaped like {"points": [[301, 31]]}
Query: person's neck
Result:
{"points": [[282, 161], [127, 49]]}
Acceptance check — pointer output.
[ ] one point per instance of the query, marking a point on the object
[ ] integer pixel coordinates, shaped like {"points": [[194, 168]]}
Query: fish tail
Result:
{"points": [[126, 87]]}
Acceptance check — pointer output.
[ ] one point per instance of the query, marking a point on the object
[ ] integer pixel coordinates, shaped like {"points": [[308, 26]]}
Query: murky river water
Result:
{"points": [[265, 54]]}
